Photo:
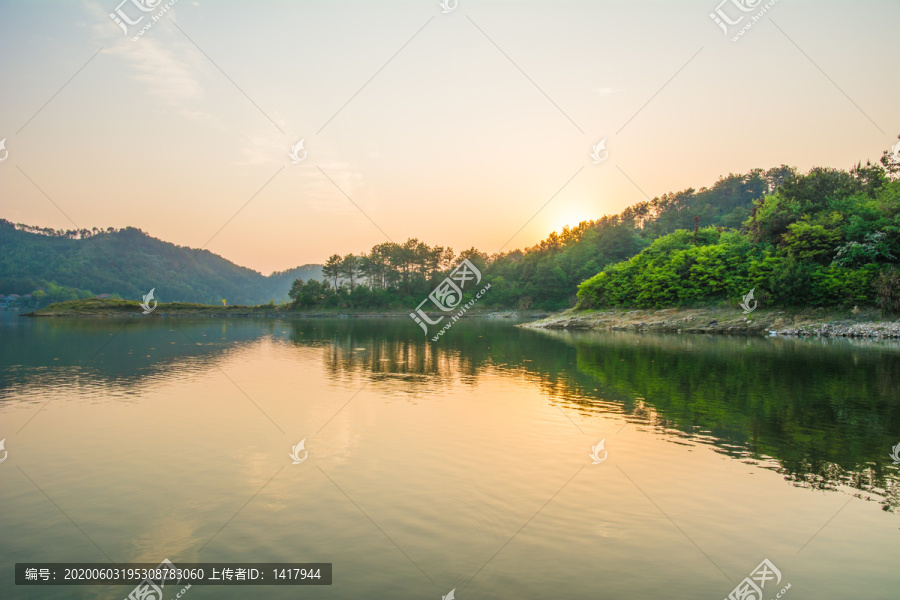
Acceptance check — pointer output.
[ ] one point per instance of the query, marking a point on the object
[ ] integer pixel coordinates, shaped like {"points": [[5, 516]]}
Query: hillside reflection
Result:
{"points": [[823, 413]]}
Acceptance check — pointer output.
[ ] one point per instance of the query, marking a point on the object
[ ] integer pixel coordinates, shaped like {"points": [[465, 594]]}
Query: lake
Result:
{"points": [[472, 464]]}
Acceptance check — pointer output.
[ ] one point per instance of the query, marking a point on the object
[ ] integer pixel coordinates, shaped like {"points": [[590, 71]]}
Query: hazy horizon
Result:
{"points": [[458, 129]]}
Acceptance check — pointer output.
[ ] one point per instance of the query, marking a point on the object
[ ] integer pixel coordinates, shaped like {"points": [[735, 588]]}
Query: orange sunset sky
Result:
{"points": [[458, 128]]}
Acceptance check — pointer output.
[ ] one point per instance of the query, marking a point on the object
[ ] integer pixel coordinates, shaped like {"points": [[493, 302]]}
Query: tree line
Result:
{"points": [[824, 237], [389, 275], [68, 234], [544, 276]]}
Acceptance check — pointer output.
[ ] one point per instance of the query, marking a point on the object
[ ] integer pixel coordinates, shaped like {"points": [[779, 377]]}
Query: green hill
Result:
{"points": [[825, 238], [128, 263]]}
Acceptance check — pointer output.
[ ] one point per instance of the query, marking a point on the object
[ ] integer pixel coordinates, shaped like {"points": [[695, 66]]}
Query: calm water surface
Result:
{"points": [[461, 464]]}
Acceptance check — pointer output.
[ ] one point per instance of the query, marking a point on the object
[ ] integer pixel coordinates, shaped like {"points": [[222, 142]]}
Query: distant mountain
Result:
{"points": [[280, 282], [128, 262]]}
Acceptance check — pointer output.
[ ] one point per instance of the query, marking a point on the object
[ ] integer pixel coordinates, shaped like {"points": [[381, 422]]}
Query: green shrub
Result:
{"points": [[887, 291]]}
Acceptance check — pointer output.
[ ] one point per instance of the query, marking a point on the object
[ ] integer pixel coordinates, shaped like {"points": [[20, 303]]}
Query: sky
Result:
{"points": [[470, 127]]}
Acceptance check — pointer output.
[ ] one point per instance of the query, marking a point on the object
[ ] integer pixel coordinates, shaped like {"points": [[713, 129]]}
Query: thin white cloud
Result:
{"points": [[174, 71], [322, 196], [170, 71], [606, 91], [166, 75]]}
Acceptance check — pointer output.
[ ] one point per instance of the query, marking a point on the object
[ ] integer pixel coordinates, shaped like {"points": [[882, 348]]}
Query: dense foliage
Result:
{"points": [[828, 237], [544, 276], [391, 275]]}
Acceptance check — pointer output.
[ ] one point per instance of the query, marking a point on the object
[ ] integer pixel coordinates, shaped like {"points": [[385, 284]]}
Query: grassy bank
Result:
{"points": [[96, 307]]}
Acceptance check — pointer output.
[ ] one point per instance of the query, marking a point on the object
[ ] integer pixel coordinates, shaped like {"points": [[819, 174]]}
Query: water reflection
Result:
{"points": [[825, 410], [822, 413]]}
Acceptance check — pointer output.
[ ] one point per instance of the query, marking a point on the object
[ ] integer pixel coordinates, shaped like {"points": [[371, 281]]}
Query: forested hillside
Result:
{"points": [[127, 262], [823, 238], [543, 276], [826, 238]]}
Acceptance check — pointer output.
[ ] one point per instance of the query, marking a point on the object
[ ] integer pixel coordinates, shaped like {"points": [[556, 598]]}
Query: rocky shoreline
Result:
{"points": [[855, 323]]}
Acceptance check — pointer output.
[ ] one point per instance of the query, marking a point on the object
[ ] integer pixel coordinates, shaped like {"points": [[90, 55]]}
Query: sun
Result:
{"points": [[572, 219]]}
